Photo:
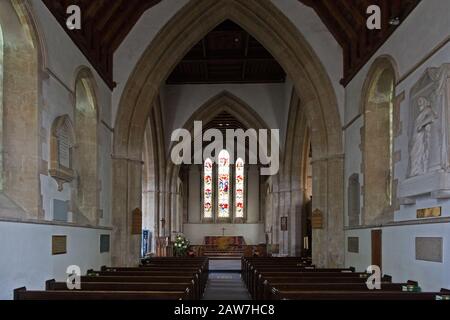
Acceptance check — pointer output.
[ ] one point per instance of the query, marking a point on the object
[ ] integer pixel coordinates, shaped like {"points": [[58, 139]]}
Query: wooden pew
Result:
{"points": [[52, 285], [159, 278], [271, 289], [199, 277], [149, 278], [24, 294], [354, 295], [202, 271], [256, 281]]}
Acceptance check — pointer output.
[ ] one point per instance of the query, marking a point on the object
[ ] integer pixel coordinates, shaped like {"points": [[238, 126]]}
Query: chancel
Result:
{"points": [[224, 150]]}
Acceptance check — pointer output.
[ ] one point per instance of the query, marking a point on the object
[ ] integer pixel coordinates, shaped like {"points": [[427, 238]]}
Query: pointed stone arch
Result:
{"points": [[222, 102], [86, 155], [377, 107], [274, 30], [22, 62]]}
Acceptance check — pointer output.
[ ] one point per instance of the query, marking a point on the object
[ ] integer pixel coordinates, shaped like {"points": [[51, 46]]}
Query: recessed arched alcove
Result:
{"points": [[86, 156], [378, 142], [21, 59]]}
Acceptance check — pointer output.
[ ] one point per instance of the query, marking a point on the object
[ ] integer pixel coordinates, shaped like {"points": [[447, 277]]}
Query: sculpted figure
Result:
{"points": [[421, 137]]}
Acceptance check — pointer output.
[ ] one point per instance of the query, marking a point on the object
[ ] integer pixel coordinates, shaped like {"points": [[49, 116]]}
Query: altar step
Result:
{"points": [[217, 255]]}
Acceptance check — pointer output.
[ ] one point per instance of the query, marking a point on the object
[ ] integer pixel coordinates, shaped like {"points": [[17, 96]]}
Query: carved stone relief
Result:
{"points": [[428, 170]]}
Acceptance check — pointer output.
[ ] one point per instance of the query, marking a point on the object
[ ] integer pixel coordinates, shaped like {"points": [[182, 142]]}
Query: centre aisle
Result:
{"points": [[224, 282], [225, 286]]}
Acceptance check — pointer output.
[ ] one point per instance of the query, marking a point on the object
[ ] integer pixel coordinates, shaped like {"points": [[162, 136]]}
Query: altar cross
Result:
{"points": [[223, 231]]}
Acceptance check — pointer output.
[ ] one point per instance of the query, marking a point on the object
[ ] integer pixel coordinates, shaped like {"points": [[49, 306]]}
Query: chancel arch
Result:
{"points": [[203, 184], [86, 150], [378, 142], [269, 26]]}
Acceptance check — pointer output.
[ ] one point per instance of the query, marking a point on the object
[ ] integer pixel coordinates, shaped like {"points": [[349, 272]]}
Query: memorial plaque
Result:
{"points": [[60, 210], [429, 212], [429, 249], [59, 245], [317, 219], [353, 244], [64, 147], [104, 243]]}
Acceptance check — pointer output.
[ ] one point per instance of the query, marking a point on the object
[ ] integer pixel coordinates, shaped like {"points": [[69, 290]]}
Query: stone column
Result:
{"points": [[328, 242], [127, 187]]}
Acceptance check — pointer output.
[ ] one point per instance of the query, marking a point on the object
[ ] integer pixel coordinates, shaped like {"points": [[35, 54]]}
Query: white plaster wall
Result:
{"points": [[427, 20], [252, 233], [423, 31], [399, 256], [362, 259], [27, 259], [63, 61], [27, 247], [399, 261], [267, 100]]}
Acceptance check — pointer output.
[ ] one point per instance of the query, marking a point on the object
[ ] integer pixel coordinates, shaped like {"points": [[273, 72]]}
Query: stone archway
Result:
{"points": [[86, 115], [270, 27], [222, 102], [22, 63], [377, 106]]}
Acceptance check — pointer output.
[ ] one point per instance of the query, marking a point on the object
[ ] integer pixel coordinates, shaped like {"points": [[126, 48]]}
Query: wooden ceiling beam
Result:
{"points": [[356, 13], [330, 6]]}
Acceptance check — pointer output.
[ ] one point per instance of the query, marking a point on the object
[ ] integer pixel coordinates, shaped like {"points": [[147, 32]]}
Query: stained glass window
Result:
{"points": [[207, 189], [224, 185], [239, 187]]}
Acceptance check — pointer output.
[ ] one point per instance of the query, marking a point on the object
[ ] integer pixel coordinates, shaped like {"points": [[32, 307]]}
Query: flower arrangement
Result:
{"points": [[180, 246]]}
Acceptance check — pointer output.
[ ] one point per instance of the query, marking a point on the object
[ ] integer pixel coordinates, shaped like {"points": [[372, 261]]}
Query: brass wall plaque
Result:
{"points": [[317, 219], [59, 245], [429, 212]]}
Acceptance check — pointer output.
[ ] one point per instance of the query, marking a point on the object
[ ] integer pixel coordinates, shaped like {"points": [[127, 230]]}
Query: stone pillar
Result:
{"points": [[328, 243], [295, 221], [127, 188]]}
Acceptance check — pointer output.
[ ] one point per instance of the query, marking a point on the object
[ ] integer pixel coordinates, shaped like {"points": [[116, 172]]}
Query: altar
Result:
{"points": [[224, 242], [224, 247], [227, 247]]}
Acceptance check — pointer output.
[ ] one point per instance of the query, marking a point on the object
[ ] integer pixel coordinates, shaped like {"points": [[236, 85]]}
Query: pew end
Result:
{"points": [[17, 292], [49, 284]]}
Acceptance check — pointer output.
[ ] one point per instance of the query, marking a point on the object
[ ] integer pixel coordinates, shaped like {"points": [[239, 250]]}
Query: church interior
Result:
{"points": [[224, 149]]}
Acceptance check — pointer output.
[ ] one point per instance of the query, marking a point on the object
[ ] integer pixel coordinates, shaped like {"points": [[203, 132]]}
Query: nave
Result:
{"points": [[257, 279], [221, 149]]}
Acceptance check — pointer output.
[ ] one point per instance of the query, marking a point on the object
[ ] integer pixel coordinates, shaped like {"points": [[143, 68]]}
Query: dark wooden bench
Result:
{"points": [[270, 289], [354, 295], [24, 294], [52, 285]]}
